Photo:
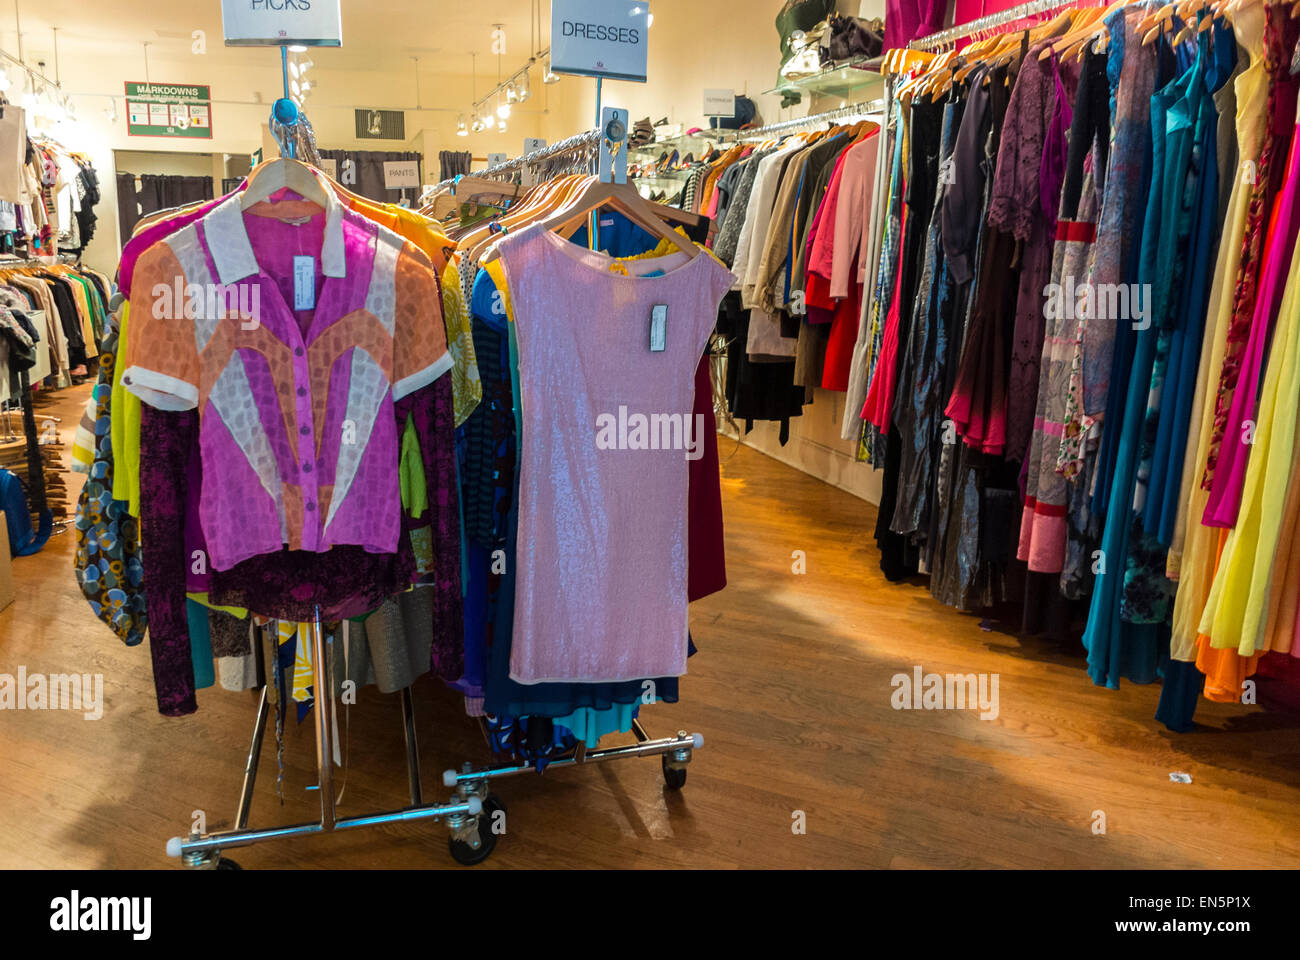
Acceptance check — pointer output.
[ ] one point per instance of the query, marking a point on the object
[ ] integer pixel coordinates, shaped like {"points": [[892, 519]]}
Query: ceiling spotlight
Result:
{"points": [[501, 126], [511, 93], [503, 109], [522, 86], [550, 76], [461, 129], [477, 124]]}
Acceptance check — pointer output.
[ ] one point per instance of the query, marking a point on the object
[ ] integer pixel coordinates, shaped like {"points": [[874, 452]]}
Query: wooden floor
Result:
{"points": [[791, 691]]}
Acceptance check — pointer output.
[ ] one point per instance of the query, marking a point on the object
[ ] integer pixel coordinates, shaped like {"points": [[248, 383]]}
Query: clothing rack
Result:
{"points": [[63, 259], [473, 816], [993, 20], [577, 143], [674, 753], [799, 123], [202, 851]]}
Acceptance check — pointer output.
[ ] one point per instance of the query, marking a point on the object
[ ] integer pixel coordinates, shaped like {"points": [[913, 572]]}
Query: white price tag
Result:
{"points": [[304, 283]]}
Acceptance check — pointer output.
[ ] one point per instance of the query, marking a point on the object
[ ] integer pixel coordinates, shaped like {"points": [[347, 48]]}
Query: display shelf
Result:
{"points": [[697, 144], [850, 77], [671, 177]]}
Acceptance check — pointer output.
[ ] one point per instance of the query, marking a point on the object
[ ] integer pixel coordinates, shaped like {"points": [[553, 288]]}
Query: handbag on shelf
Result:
{"points": [[851, 37]]}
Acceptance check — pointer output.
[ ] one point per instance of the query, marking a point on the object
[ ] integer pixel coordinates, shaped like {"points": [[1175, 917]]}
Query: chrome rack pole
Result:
{"points": [[678, 749], [250, 765], [412, 748], [321, 677], [195, 847], [1021, 12]]}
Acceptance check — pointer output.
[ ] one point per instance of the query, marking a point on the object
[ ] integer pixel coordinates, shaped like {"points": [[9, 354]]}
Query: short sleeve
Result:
{"points": [[420, 354], [160, 359]]}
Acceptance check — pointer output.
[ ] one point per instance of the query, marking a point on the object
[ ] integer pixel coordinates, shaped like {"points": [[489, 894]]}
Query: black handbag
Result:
{"points": [[853, 37]]}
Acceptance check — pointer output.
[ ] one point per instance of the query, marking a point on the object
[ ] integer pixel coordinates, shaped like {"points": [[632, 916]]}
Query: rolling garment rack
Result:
{"points": [[202, 851], [607, 144], [470, 813]]}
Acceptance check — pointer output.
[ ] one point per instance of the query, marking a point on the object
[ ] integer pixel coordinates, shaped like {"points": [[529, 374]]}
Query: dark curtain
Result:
{"points": [[128, 205], [161, 191], [370, 173], [454, 163], [155, 192]]}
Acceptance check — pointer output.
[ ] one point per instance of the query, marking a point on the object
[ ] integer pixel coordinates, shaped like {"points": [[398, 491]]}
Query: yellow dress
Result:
{"points": [[1237, 611], [1193, 551]]}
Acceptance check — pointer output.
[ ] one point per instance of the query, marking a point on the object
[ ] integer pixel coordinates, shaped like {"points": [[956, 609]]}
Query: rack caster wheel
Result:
{"points": [[673, 777], [225, 863], [463, 852]]}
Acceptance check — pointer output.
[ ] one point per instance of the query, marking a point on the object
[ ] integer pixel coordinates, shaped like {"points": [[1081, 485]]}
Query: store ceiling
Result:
{"points": [[441, 33]]}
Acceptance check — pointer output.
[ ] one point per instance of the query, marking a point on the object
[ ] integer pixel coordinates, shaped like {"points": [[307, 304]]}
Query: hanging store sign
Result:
{"points": [[719, 103], [279, 23], [600, 38], [399, 174], [169, 110]]}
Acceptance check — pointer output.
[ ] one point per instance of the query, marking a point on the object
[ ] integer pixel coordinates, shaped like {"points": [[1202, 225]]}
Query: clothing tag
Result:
{"points": [[607, 223], [658, 328], [304, 283]]}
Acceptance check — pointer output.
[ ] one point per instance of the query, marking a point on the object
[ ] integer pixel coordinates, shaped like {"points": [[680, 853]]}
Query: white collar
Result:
{"points": [[232, 251]]}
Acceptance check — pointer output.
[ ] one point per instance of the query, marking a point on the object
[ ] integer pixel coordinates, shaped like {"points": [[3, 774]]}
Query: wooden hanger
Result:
{"points": [[1189, 13], [548, 196], [158, 216], [903, 59], [271, 176], [1086, 27], [622, 197], [546, 199]]}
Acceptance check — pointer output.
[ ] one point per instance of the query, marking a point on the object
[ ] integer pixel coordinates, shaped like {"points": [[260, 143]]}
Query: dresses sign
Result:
{"points": [[600, 38]]}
